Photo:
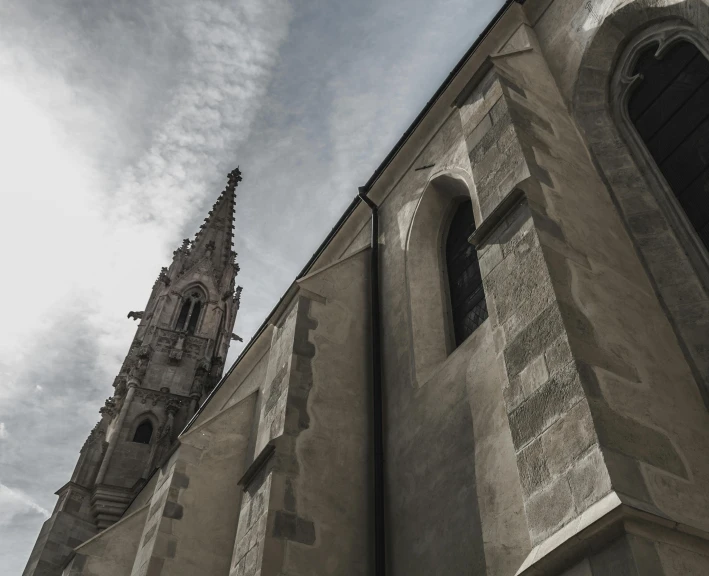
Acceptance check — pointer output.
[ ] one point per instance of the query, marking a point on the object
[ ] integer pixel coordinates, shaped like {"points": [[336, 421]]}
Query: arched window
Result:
{"points": [[189, 313], [669, 108], [143, 433], [466, 288]]}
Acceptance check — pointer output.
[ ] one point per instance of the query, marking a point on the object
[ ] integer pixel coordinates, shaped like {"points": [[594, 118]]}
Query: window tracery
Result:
{"points": [[659, 101], [669, 107], [190, 312]]}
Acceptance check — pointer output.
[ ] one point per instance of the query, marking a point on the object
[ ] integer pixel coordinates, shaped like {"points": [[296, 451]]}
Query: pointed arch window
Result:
{"points": [[190, 312], [143, 433], [669, 107], [468, 305]]}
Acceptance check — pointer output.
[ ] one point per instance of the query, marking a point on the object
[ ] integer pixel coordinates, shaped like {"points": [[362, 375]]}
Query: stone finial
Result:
{"points": [[233, 179]]}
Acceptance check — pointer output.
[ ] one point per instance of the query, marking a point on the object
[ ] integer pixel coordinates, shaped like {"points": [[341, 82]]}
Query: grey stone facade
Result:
{"points": [[566, 436]]}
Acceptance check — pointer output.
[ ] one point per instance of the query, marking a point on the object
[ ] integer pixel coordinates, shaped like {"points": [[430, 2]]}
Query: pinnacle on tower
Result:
{"points": [[215, 236]]}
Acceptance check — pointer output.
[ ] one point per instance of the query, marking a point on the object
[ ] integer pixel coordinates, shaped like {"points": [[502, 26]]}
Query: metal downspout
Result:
{"points": [[377, 403]]}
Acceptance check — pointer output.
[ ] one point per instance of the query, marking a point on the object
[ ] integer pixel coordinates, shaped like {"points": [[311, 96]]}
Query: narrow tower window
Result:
{"points": [[194, 317], [670, 110], [466, 287], [189, 313], [143, 433], [182, 319]]}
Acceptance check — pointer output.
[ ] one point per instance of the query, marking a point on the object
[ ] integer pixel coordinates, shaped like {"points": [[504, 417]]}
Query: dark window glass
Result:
{"points": [[143, 433], [183, 314], [194, 317], [466, 287], [670, 110]]}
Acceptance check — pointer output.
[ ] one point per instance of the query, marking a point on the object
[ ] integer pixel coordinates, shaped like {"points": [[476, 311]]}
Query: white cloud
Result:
{"points": [[14, 502], [3, 431]]}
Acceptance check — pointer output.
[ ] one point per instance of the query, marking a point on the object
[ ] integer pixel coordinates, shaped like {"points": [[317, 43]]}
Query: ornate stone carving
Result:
{"points": [[97, 434], [139, 369], [172, 406], [233, 179], [236, 337], [121, 387], [200, 378], [109, 408], [145, 396], [237, 297], [136, 315], [163, 277], [230, 291], [144, 352], [175, 355], [215, 373], [184, 249]]}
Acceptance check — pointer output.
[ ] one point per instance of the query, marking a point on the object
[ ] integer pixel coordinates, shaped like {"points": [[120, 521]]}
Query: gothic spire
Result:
{"points": [[215, 236]]}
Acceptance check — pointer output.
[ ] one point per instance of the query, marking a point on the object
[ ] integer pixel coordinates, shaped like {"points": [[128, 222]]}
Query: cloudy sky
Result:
{"points": [[119, 120]]}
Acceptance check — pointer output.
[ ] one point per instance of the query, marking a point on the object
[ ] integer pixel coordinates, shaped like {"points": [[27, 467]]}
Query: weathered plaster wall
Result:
{"points": [[204, 536], [144, 496], [648, 408], [647, 415], [307, 511], [111, 552], [583, 42], [334, 450], [252, 383], [191, 523], [451, 470], [246, 378]]}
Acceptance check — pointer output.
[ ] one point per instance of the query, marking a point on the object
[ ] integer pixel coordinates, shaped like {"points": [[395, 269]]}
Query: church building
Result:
{"points": [[497, 363]]}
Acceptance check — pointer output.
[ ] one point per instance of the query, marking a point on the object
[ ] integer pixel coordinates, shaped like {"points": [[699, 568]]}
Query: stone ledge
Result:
{"points": [[488, 226], [255, 467], [606, 520]]}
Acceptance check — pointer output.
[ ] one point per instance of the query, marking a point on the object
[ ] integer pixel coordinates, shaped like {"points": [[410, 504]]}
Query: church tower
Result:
{"points": [[175, 360]]}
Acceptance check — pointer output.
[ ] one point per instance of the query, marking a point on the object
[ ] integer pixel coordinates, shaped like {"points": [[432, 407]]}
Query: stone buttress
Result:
{"points": [[604, 413]]}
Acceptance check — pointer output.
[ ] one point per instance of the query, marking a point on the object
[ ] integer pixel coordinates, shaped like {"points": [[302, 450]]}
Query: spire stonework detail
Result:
{"points": [[175, 360]]}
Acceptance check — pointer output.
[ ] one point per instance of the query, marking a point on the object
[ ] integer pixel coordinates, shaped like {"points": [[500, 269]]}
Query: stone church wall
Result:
{"points": [[450, 461], [112, 552], [307, 510], [567, 435]]}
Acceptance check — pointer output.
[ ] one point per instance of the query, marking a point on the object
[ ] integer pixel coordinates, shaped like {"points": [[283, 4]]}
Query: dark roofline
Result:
{"points": [[366, 188]]}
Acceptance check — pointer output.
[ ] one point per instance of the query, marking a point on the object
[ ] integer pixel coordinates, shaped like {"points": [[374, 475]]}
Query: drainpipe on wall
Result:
{"points": [[378, 427]]}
